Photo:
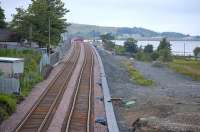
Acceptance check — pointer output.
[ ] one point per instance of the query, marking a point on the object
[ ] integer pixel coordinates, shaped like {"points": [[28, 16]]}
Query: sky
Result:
{"points": [[158, 15]]}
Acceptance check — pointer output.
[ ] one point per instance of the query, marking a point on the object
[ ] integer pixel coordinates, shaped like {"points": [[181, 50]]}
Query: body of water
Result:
{"points": [[178, 47]]}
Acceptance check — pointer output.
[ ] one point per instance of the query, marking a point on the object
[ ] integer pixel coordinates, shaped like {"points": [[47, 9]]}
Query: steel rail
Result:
{"points": [[88, 63], [65, 74]]}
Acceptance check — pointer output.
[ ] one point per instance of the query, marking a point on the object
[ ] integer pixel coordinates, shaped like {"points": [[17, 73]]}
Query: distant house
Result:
{"points": [[11, 40], [8, 36]]}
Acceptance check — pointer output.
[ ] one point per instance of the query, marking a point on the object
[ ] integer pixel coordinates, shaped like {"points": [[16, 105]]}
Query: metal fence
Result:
{"points": [[9, 85], [58, 54]]}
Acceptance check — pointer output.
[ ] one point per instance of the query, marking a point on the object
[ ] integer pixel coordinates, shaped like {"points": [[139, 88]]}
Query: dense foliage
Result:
{"points": [[148, 48], [130, 45], [164, 50], [196, 51], [33, 23], [107, 41], [2, 18], [7, 106]]}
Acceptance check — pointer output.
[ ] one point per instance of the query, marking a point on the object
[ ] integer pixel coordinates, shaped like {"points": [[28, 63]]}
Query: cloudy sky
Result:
{"points": [[159, 15]]}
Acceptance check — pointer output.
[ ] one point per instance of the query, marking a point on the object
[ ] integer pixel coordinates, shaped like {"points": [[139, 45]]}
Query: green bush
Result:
{"points": [[3, 115], [8, 103], [165, 55], [120, 50], [154, 56], [143, 56]]}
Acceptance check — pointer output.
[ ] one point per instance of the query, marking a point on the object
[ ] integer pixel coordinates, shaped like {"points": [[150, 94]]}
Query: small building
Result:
{"points": [[77, 40], [12, 67]]}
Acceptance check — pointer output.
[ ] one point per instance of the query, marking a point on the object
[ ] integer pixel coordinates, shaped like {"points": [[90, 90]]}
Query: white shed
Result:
{"points": [[11, 66]]}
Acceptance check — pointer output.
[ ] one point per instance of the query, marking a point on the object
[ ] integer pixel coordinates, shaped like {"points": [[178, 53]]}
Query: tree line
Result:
{"points": [[147, 53], [42, 18]]}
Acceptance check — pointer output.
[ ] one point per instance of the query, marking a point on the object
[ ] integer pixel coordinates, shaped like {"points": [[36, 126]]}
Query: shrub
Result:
{"points": [[130, 45], [3, 115], [164, 50], [148, 48], [119, 50], [154, 55], [7, 103], [143, 56], [196, 51]]}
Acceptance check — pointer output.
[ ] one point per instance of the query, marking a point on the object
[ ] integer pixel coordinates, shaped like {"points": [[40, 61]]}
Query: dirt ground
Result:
{"points": [[171, 104]]}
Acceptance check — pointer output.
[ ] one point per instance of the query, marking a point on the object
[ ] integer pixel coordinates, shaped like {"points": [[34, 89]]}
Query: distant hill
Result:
{"points": [[91, 31]]}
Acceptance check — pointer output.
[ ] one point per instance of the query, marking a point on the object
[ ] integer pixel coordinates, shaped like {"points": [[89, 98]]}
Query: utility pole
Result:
{"points": [[49, 37], [30, 34], [184, 49], [94, 35]]}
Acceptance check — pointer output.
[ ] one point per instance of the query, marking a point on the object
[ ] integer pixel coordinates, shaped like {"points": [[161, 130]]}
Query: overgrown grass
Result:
{"points": [[136, 76], [7, 105], [187, 67]]}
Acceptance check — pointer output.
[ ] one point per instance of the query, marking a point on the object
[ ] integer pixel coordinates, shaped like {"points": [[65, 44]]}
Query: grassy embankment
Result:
{"points": [[187, 67], [30, 77], [136, 76]]}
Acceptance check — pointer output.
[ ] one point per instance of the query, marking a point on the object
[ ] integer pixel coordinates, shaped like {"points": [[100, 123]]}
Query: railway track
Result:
{"points": [[39, 117], [79, 117]]}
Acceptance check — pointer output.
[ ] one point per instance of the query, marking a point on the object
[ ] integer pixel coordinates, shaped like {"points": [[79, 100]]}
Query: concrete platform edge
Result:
{"points": [[110, 115]]}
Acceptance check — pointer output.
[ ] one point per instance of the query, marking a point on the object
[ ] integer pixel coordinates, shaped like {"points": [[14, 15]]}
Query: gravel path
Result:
{"points": [[171, 96]]}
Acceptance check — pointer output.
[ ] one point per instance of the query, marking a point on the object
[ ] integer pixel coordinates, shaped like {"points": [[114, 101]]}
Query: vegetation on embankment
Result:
{"points": [[7, 105], [31, 74], [30, 77], [136, 76], [187, 67]]}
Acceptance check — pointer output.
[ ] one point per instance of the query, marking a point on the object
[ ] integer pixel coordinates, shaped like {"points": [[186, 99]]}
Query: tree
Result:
{"points": [[107, 43], [130, 45], [41, 17], [154, 55], [164, 50], [164, 44], [148, 48], [196, 51], [21, 23], [2, 18], [106, 37]]}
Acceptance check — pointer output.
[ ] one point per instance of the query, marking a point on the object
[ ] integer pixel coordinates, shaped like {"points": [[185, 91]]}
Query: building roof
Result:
{"points": [[4, 34], [10, 59]]}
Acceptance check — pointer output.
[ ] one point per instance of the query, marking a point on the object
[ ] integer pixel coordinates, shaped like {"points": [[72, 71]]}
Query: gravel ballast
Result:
{"points": [[173, 99]]}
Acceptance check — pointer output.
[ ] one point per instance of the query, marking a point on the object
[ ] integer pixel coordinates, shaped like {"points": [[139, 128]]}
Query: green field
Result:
{"points": [[187, 67]]}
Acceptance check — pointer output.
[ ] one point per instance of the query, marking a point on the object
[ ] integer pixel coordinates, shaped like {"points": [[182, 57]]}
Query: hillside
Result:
{"points": [[91, 31]]}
